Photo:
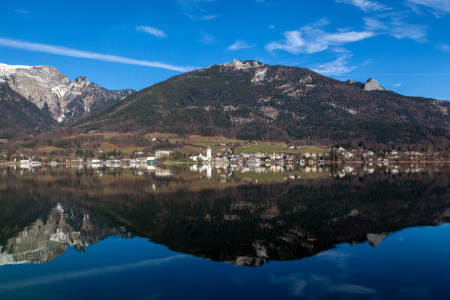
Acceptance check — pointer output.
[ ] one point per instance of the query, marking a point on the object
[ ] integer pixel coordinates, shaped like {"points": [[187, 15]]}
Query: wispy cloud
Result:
{"points": [[337, 67], [271, 26], [444, 47], [151, 30], [365, 5], [57, 50], [312, 285], [398, 85], [200, 18], [197, 10], [208, 38], [240, 45], [340, 258], [393, 24], [21, 11], [438, 7], [312, 39], [60, 277]]}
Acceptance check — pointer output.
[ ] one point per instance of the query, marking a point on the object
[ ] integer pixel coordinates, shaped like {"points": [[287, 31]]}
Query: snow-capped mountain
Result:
{"points": [[51, 91]]}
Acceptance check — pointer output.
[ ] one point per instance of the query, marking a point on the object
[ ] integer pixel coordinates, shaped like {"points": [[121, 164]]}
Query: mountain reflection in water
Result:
{"points": [[232, 216]]}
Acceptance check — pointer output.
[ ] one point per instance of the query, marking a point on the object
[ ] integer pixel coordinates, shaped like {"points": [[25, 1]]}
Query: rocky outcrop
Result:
{"points": [[243, 65], [372, 85], [54, 93], [376, 239]]}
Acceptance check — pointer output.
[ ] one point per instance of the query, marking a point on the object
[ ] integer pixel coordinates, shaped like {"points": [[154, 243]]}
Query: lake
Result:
{"points": [[195, 232]]}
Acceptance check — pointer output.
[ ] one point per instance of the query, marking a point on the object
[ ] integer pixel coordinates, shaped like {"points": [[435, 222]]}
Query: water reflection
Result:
{"points": [[49, 237], [236, 216]]}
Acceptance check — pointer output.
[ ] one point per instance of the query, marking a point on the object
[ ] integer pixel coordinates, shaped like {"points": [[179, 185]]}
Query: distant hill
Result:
{"points": [[20, 116], [250, 100], [64, 100]]}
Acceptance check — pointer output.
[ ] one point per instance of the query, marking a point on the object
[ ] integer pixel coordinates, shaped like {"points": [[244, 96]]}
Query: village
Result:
{"points": [[225, 158]]}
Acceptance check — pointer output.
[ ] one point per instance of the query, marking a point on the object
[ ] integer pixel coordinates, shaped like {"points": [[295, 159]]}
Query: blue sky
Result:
{"points": [[404, 44]]}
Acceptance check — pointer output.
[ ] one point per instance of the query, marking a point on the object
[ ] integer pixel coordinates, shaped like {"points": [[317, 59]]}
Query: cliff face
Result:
{"points": [[51, 91], [373, 85]]}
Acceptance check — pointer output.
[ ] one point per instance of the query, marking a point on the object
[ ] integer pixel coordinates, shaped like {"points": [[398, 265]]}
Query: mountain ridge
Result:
{"points": [[251, 100]]}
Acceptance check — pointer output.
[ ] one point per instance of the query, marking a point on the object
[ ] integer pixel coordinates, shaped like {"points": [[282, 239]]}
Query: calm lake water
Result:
{"points": [[354, 232]]}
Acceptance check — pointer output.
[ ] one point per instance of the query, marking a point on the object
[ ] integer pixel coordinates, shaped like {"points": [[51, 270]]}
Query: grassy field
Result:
{"points": [[127, 151], [203, 141], [3, 140], [48, 149], [107, 136], [280, 148], [198, 144], [213, 143], [191, 150]]}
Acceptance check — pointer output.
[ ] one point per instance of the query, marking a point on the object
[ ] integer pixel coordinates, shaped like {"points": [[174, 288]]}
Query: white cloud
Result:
{"points": [[397, 84], [439, 7], [271, 26], [90, 55], [365, 5], [21, 11], [151, 30], [311, 39], [396, 27], [240, 45], [207, 38], [337, 67]]}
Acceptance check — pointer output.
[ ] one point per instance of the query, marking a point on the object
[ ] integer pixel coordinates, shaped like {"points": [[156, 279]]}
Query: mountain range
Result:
{"points": [[64, 100], [245, 100]]}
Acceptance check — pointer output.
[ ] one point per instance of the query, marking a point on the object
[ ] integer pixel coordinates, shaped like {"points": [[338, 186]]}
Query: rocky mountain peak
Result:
{"points": [[83, 82], [46, 87], [80, 79], [237, 64], [372, 85]]}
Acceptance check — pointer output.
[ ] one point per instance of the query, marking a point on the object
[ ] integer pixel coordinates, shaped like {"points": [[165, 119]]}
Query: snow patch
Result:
{"points": [[11, 69]]}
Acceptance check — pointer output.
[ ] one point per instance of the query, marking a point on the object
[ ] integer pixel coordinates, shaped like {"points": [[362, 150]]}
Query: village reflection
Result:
{"points": [[239, 215]]}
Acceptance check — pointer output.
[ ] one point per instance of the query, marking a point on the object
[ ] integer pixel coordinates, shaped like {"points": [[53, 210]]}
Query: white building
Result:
{"points": [[162, 153]]}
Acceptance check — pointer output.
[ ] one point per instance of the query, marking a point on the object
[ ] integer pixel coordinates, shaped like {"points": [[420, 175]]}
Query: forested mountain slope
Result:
{"points": [[250, 100], [20, 116]]}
